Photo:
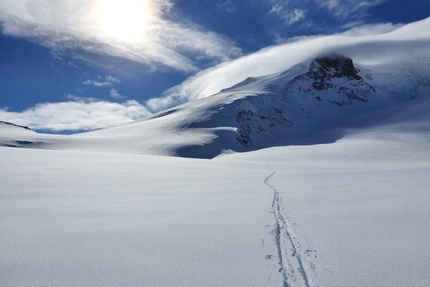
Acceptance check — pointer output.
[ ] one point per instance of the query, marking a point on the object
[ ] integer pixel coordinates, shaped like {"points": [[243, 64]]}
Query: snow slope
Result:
{"points": [[309, 103], [334, 191], [350, 213]]}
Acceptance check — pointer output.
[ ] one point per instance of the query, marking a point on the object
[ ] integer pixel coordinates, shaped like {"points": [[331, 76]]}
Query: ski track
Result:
{"points": [[290, 253]]}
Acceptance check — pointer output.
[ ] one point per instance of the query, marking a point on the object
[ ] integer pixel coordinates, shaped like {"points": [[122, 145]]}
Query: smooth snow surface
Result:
{"points": [[337, 194], [351, 213]]}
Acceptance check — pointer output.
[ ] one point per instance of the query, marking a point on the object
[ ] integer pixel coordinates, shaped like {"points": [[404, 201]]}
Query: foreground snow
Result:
{"points": [[350, 213], [336, 195]]}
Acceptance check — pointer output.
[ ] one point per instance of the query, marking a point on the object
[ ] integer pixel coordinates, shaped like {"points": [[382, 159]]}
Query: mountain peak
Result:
{"points": [[306, 104], [332, 66]]}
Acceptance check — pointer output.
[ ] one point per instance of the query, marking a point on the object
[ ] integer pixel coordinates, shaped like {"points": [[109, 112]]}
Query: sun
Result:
{"points": [[122, 20]]}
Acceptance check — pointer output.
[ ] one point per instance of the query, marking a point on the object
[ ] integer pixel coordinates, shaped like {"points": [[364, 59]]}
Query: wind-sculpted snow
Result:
{"points": [[310, 103]]}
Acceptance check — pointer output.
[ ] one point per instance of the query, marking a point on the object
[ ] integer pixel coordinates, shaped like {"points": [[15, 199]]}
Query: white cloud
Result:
{"points": [[80, 99], [366, 44], [112, 79], [96, 84], [172, 98], [65, 25], [77, 115], [102, 82], [358, 30], [296, 15], [114, 94], [284, 11]]}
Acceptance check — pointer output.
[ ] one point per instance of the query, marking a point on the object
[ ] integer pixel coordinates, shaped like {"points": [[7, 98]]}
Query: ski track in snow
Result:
{"points": [[291, 256]]}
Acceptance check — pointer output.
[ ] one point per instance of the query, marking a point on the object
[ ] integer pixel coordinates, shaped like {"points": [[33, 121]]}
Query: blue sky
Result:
{"points": [[68, 66]]}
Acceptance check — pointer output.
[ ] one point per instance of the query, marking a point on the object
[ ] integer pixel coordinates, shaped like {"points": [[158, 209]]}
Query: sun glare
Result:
{"points": [[122, 20]]}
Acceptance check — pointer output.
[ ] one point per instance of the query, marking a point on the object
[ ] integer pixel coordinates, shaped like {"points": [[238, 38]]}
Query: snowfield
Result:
{"points": [[95, 219], [350, 213], [318, 176], [309, 103]]}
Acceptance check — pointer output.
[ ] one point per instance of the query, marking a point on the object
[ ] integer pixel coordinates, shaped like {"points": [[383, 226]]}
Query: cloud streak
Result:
{"points": [[102, 82], [293, 11], [80, 115], [227, 6], [284, 12], [367, 44], [65, 25], [345, 8]]}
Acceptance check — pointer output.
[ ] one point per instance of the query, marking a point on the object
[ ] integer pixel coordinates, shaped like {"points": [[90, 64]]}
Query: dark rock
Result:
{"points": [[330, 80], [332, 66], [18, 126], [260, 122]]}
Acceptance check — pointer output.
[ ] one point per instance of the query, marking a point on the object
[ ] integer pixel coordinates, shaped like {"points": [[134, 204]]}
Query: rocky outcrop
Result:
{"points": [[18, 126], [259, 123], [331, 80], [325, 68]]}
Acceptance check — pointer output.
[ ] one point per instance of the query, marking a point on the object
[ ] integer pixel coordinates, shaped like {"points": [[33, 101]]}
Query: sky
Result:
{"points": [[68, 66]]}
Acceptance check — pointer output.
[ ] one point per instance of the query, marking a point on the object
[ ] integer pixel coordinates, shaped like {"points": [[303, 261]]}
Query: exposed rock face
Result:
{"points": [[260, 123], [335, 74], [331, 80], [332, 66], [11, 124]]}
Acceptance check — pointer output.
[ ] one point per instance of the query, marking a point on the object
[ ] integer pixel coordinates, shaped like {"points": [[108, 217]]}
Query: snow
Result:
{"points": [[353, 212], [274, 110], [92, 219], [333, 196], [306, 110]]}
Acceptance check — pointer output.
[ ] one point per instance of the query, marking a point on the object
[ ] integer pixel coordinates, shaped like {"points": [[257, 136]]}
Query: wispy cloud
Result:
{"points": [[365, 44], [284, 12], [75, 98], [79, 115], [314, 13], [96, 84], [228, 6], [112, 79], [102, 82], [65, 25], [358, 29], [114, 94], [345, 8]]}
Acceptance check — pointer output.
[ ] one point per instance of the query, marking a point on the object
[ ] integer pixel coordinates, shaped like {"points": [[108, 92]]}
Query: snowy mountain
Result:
{"points": [[98, 209], [312, 102]]}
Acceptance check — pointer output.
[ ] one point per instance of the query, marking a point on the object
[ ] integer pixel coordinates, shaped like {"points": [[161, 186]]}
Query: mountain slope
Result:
{"points": [[309, 103], [351, 213]]}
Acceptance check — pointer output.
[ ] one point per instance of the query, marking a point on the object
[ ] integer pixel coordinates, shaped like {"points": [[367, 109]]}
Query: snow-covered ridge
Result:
{"points": [[331, 80], [309, 103], [14, 125]]}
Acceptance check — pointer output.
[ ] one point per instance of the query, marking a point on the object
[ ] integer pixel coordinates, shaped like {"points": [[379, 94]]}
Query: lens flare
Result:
{"points": [[122, 20]]}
